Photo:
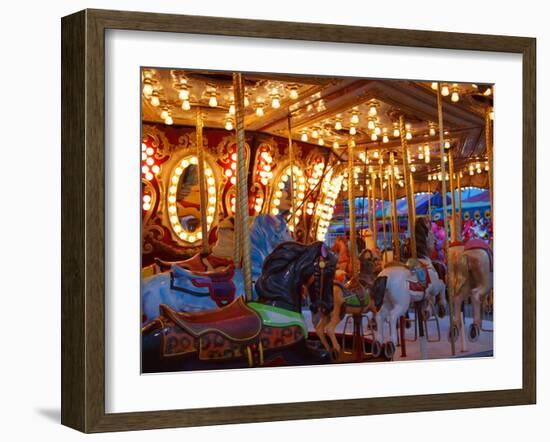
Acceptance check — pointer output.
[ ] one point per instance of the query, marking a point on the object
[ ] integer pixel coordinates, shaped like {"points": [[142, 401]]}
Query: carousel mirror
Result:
{"points": [[184, 200], [281, 198]]}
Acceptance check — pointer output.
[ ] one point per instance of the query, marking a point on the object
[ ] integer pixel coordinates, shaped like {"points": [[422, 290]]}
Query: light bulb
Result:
{"points": [[275, 102], [377, 130], [246, 101], [396, 132], [147, 88], [185, 105], [447, 145], [232, 109], [184, 93], [372, 110], [335, 145], [373, 136], [164, 114], [432, 131], [385, 139], [260, 110], [370, 124], [315, 133], [304, 137], [168, 120], [487, 92], [229, 125], [455, 97], [408, 136], [413, 168], [294, 93], [434, 86], [352, 130], [354, 118], [445, 90], [375, 154], [321, 142], [213, 101], [338, 125], [155, 100]]}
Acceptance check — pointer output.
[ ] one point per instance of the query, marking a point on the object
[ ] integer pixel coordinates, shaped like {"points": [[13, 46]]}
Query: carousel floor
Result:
{"points": [[436, 349]]}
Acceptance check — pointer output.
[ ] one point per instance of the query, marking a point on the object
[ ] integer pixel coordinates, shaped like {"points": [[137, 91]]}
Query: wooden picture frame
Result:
{"points": [[83, 220]]}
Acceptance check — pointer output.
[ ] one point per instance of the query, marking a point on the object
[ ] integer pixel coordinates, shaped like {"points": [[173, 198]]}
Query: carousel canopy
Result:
{"points": [[328, 111]]}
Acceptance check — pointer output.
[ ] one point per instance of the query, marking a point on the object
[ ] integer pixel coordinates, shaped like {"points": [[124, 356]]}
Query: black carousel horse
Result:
{"points": [[268, 331]]}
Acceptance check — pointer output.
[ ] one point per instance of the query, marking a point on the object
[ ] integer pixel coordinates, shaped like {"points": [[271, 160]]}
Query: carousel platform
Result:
{"points": [[438, 346]]}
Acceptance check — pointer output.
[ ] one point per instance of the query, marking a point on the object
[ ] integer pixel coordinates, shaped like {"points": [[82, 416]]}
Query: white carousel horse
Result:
{"points": [[185, 290], [471, 276], [397, 286]]}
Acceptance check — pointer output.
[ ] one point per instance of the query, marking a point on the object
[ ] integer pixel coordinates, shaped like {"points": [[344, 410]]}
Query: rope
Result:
{"points": [[202, 184]]}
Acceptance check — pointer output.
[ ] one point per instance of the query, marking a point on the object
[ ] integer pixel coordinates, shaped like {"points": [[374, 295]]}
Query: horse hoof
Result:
{"points": [[441, 311], [389, 350], [376, 349], [473, 334], [334, 355], [453, 333]]}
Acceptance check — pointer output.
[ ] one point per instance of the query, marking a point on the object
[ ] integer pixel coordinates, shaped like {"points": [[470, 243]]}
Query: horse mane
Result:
{"points": [[288, 266], [422, 229]]}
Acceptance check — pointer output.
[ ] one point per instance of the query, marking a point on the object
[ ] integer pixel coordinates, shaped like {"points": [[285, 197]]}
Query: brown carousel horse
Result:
{"points": [[350, 298], [340, 247]]}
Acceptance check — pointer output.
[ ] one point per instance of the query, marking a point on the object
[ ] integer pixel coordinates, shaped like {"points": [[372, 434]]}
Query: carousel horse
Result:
{"points": [[340, 247], [471, 276], [350, 298], [186, 290], [268, 331], [399, 285]]}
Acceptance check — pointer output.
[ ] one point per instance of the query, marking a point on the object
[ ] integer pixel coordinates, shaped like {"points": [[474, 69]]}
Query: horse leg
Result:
{"points": [[391, 344], [380, 319], [475, 327], [320, 330], [331, 332]]}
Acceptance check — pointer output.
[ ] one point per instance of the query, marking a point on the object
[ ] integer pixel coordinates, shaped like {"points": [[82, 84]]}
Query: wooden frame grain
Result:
{"points": [[83, 217]]}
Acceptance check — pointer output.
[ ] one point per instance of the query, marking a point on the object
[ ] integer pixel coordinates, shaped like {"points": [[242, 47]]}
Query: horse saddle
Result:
{"points": [[195, 263], [422, 275], [474, 244], [220, 284], [236, 321]]}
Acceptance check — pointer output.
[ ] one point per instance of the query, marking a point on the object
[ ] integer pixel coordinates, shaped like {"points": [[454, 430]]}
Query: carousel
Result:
{"points": [[301, 220]]}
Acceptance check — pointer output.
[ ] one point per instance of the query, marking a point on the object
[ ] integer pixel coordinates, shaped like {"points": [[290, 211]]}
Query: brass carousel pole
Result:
{"points": [[406, 175], [444, 198], [383, 207], [391, 209], [351, 200], [242, 188], [202, 184], [429, 201], [411, 176], [489, 147], [374, 229], [454, 227], [459, 214], [395, 221], [292, 183]]}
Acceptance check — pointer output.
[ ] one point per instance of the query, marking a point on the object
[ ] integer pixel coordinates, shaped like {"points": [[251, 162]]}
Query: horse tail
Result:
{"points": [[379, 288]]}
